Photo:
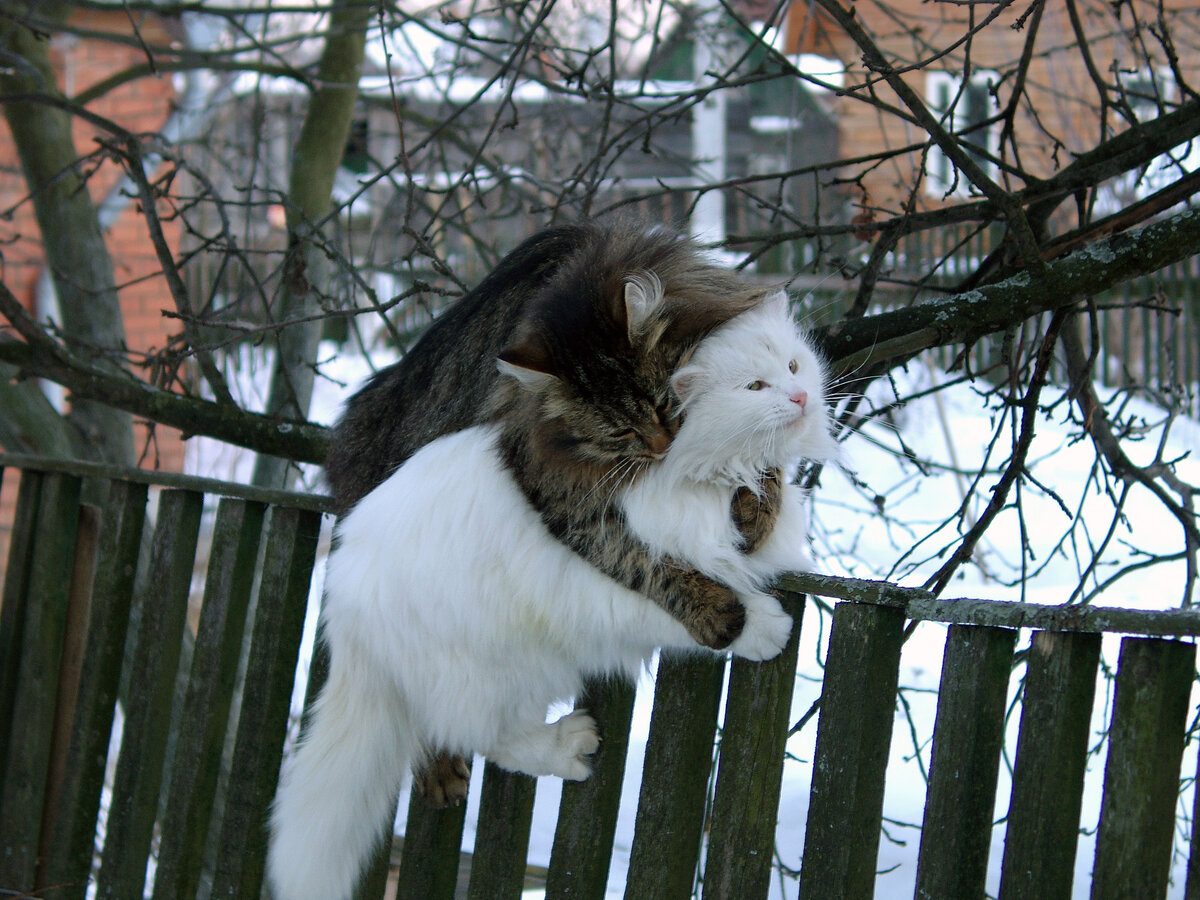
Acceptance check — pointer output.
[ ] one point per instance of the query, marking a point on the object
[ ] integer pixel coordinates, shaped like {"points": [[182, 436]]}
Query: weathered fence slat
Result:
{"points": [[291, 548], [854, 732], [967, 740], [1043, 813], [79, 595], [69, 858], [741, 845], [587, 819], [153, 665], [12, 607], [1141, 774], [205, 716], [430, 859], [502, 838], [675, 775], [39, 646]]}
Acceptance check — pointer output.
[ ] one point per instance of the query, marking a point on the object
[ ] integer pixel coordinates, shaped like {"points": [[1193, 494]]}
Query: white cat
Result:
{"points": [[454, 619]]}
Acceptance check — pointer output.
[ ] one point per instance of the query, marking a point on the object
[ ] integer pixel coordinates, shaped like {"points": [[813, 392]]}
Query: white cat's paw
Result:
{"points": [[766, 631], [577, 740]]}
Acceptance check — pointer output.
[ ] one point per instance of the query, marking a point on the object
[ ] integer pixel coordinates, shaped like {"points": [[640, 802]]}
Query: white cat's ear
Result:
{"points": [[530, 362], [684, 382], [643, 299], [778, 302]]}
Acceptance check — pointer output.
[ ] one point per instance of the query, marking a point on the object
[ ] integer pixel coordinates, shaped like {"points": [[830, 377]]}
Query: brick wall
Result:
{"points": [[141, 105]]}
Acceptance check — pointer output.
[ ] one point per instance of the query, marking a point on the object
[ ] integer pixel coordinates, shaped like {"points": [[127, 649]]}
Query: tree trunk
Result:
{"points": [[315, 161], [75, 252]]}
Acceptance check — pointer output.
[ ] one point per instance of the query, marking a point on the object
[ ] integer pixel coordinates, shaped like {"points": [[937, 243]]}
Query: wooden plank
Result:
{"points": [[587, 813], [429, 863], [69, 858], [498, 862], [1141, 775], [153, 664], [291, 548], [854, 732], [79, 598], [39, 649], [1043, 813], [967, 740], [675, 776], [741, 846], [13, 605], [204, 720]]}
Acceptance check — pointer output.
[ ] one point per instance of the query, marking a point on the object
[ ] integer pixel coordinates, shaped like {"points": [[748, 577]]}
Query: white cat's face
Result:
{"points": [[753, 394]]}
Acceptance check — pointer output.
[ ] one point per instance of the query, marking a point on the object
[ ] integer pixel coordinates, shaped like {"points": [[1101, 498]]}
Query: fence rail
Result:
{"points": [[94, 629]]}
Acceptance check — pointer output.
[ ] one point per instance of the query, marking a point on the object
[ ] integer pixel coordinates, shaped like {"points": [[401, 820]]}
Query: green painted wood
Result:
{"points": [[1141, 774], [967, 740], [39, 648], [675, 777], [429, 863], [202, 725], [498, 862], [741, 846], [70, 851], [153, 664], [13, 605], [854, 732], [1043, 814], [587, 817], [278, 627]]}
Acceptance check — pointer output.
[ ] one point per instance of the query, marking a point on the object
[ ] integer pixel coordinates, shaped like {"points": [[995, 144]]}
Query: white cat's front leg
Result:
{"points": [[766, 631], [562, 748]]}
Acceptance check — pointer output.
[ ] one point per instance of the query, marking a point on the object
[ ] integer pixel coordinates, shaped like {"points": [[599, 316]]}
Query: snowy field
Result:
{"points": [[949, 432]]}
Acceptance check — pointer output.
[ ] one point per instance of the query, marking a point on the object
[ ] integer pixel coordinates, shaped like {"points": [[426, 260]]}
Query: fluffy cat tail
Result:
{"points": [[337, 791]]}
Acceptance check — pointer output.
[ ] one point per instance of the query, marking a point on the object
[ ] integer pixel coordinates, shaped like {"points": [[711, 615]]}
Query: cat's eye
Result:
{"points": [[793, 366], [627, 435], [756, 385]]}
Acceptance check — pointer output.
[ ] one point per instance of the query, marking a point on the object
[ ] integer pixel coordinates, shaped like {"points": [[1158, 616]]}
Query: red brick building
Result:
{"points": [[139, 105]]}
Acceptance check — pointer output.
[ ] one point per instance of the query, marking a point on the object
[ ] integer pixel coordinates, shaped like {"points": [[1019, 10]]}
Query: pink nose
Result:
{"points": [[800, 398]]}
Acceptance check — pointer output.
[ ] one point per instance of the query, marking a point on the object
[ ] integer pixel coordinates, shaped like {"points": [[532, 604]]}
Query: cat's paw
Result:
{"points": [[767, 629], [576, 739], [711, 612], [443, 781], [754, 513]]}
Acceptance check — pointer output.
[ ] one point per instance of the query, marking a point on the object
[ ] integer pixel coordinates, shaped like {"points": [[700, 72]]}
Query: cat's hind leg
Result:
{"points": [[561, 748]]}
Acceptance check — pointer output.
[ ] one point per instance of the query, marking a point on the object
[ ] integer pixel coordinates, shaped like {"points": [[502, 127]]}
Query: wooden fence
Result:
{"points": [[86, 630]]}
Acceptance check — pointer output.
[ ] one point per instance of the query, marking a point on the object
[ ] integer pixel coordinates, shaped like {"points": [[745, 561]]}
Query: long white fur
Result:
{"points": [[454, 619], [730, 434]]}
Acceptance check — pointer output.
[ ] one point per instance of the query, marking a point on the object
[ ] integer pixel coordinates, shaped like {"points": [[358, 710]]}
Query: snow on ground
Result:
{"points": [[949, 431]]}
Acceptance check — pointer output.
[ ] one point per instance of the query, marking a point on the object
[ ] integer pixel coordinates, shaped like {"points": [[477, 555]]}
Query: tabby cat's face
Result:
{"points": [[615, 408]]}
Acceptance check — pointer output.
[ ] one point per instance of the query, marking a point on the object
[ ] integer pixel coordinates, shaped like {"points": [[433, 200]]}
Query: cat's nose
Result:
{"points": [[658, 441], [800, 398]]}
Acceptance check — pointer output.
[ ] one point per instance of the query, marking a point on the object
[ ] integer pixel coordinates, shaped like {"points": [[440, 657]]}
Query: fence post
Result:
{"points": [[587, 815], [1043, 813], [39, 593], [675, 776], [211, 682], [266, 699], [152, 667], [502, 838], [69, 857], [741, 846], [1141, 775], [968, 736], [854, 732]]}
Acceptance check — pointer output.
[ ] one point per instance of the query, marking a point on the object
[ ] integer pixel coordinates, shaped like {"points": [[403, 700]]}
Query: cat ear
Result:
{"points": [[530, 362], [684, 382], [643, 300]]}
